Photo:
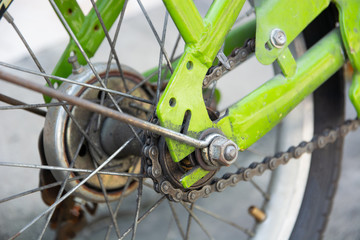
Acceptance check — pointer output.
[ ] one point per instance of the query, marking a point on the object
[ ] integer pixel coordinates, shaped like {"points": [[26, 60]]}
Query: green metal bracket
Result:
{"points": [[193, 176], [257, 113], [287, 63], [290, 16], [87, 29], [354, 92], [183, 93], [349, 20]]}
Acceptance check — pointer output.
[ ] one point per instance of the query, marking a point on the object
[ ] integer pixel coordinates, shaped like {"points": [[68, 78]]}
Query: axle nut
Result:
{"points": [[222, 151]]}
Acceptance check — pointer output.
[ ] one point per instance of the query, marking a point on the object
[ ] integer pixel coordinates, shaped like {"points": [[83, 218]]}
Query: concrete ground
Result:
{"points": [[20, 144]]}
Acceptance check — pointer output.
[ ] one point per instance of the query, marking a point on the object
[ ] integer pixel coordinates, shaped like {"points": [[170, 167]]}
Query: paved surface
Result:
{"points": [[48, 43]]}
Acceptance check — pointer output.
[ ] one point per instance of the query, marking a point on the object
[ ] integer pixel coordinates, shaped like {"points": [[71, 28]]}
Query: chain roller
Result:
{"points": [[162, 185]]}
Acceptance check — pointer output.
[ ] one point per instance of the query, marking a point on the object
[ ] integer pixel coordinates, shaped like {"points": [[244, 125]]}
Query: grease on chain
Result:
{"points": [[151, 161]]}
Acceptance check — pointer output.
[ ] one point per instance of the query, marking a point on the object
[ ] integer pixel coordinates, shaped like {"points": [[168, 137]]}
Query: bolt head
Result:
{"points": [[222, 151], [230, 153], [278, 38]]}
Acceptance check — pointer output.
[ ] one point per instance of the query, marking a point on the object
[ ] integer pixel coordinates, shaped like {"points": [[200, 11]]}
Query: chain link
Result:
{"points": [[151, 150], [237, 56]]}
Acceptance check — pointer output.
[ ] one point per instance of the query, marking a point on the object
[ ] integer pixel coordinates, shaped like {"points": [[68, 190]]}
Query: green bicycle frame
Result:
{"points": [[253, 116]]}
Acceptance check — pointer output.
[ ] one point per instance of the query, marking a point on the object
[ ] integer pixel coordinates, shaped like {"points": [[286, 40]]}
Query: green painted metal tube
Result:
{"points": [[72, 13], [235, 38], [257, 113], [87, 29], [219, 20], [354, 92], [187, 19]]}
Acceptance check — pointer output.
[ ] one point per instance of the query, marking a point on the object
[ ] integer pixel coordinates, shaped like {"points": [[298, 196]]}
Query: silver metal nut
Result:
{"points": [[278, 38], [222, 151]]}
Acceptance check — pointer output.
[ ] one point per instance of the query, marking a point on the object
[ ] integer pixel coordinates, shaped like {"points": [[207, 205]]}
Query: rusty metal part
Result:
{"points": [[222, 151], [123, 117], [62, 136], [257, 168], [257, 213], [173, 171], [68, 217], [15, 102]]}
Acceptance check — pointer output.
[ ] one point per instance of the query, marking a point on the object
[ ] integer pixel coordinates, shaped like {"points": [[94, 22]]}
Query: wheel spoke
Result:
{"points": [[188, 226], [11, 21], [138, 202], [31, 52], [62, 188], [156, 35], [140, 219], [197, 220], [127, 184], [25, 106], [176, 217], [74, 38], [111, 43], [42, 188], [161, 57], [125, 95], [56, 203], [256, 152], [113, 218], [140, 84], [214, 215], [79, 170], [112, 55], [263, 193], [21, 105]]}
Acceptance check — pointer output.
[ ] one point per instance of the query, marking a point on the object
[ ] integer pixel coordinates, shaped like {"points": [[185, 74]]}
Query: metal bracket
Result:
{"points": [[290, 16]]}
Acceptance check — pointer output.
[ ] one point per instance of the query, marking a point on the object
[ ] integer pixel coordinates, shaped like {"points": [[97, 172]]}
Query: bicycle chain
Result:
{"points": [[237, 56], [151, 161]]}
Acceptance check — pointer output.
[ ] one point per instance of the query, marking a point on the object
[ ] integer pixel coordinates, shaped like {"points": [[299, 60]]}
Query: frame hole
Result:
{"points": [[189, 65], [172, 102], [96, 27], [186, 122], [70, 11]]}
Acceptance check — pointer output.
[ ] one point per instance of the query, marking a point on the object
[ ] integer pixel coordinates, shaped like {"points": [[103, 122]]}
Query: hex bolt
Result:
{"points": [[278, 38], [230, 152]]}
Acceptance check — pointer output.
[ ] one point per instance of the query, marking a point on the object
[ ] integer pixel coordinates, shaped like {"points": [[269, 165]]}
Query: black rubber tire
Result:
{"points": [[325, 166]]}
